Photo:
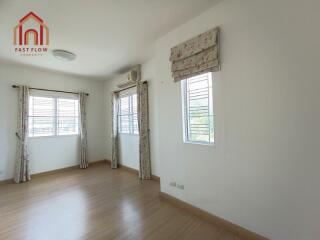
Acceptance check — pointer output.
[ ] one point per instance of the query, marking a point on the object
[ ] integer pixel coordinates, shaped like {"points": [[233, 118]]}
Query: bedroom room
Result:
{"points": [[145, 119]]}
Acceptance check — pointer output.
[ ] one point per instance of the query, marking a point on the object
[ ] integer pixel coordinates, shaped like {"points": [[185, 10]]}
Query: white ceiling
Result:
{"points": [[107, 36]]}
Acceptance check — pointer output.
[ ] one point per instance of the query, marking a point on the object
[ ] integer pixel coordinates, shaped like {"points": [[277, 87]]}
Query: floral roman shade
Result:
{"points": [[196, 56]]}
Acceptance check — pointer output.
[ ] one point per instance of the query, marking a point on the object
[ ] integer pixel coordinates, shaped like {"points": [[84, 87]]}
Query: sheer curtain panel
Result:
{"points": [[144, 142], [115, 131], [84, 163], [22, 172]]}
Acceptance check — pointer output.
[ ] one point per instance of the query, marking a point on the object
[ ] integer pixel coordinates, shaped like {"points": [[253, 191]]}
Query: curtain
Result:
{"points": [[22, 172], [143, 121], [115, 135], [83, 131], [196, 56]]}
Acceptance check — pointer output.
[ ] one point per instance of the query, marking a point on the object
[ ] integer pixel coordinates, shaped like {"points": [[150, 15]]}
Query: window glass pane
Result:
{"points": [[50, 116], [135, 124], [124, 105], [41, 116], [198, 109], [67, 116], [127, 116], [125, 124], [134, 103], [135, 114], [123, 115]]}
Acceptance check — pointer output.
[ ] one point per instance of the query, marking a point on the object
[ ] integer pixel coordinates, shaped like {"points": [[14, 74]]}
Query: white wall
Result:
{"points": [[129, 151], [263, 170], [48, 153]]}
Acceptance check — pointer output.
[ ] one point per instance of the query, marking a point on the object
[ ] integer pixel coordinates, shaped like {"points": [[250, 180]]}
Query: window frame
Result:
{"points": [[185, 111], [130, 114], [56, 122]]}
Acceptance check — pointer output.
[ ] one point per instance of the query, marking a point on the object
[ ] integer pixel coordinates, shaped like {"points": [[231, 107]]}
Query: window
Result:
{"points": [[53, 116], [67, 116], [198, 109], [127, 116]]}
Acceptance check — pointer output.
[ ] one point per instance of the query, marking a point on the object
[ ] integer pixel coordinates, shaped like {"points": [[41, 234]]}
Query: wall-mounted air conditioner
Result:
{"points": [[128, 79]]}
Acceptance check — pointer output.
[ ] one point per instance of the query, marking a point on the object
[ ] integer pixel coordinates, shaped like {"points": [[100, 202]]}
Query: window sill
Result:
{"points": [[129, 134], [55, 136], [200, 143]]}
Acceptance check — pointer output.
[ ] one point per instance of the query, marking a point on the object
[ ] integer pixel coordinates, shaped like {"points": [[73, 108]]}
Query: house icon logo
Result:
{"points": [[31, 36]]}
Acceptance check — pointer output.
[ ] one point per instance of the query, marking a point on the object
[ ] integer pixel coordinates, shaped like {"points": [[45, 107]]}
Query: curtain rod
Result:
{"points": [[122, 89], [49, 90]]}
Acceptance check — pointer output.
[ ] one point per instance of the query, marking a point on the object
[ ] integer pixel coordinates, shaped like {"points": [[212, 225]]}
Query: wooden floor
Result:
{"points": [[96, 203]]}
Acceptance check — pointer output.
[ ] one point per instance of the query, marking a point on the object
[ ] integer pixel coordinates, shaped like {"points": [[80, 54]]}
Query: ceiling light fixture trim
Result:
{"points": [[64, 55]]}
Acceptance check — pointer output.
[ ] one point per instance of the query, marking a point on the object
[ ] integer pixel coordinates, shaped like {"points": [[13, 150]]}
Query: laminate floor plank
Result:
{"points": [[97, 204]]}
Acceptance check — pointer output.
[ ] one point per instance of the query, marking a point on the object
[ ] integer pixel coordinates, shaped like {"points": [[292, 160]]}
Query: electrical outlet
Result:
{"points": [[180, 186], [173, 184]]}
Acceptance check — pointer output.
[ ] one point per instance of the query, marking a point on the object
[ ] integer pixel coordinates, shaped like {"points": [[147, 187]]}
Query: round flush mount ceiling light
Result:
{"points": [[63, 55]]}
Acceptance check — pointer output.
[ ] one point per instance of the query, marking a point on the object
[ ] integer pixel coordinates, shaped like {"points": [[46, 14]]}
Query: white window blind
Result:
{"points": [[198, 109], [67, 116], [41, 116], [127, 115], [53, 116]]}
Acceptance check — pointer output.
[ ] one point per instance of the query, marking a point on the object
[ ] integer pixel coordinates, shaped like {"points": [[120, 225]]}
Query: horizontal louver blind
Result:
{"points": [[41, 116], [53, 116], [134, 112], [199, 110], [68, 116], [124, 119], [127, 116]]}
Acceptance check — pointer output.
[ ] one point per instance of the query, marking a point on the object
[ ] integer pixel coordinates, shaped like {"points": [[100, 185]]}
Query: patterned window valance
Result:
{"points": [[196, 56]]}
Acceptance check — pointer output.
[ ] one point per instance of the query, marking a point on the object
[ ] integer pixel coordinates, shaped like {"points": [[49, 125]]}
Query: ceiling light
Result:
{"points": [[63, 55]]}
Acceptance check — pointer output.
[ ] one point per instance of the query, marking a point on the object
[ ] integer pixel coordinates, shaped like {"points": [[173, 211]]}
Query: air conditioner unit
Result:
{"points": [[128, 79]]}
